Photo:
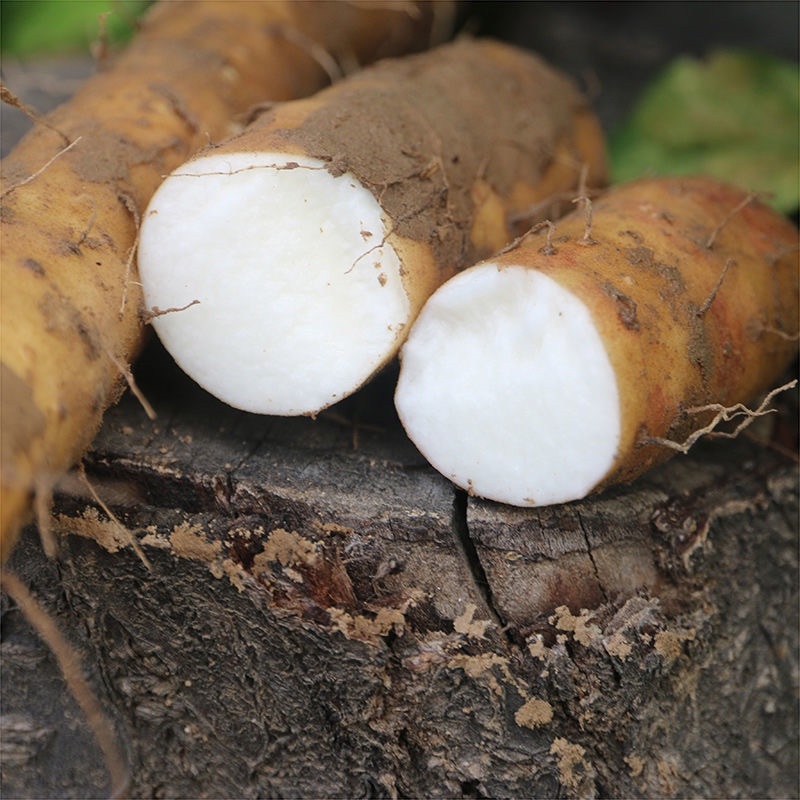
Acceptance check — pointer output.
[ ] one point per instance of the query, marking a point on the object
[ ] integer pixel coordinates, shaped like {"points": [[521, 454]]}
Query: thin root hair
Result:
{"points": [[9, 98], [249, 168], [710, 299], [370, 250], [315, 50], [69, 662], [126, 373], [127, 534], [731, 214], [41, 169], [723, 414], [155, 311], [130, 206]]}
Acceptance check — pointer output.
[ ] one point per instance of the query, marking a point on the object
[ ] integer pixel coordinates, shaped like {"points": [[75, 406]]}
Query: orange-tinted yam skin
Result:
{"points": [[68, 233], [649, 280]]}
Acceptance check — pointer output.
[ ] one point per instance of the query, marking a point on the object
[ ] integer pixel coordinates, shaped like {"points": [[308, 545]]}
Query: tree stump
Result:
{"points": [[324, 615], [327, 620]]}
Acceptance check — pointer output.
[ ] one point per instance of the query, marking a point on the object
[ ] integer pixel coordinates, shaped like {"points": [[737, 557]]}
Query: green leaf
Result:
{"points": [[735, 116], [46, 27]]}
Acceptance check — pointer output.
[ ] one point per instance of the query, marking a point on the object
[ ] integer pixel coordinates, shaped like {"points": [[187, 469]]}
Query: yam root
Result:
{"points": [[549, 372], [301, 249], [75, 187]]}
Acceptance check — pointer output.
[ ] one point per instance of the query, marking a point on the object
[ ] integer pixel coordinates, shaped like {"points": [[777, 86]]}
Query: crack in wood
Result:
{"points": [[246, 458], [472, 560], [591, 557]]}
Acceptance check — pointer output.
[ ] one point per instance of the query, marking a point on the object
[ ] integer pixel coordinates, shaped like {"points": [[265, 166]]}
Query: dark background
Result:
{"points": [[614, 49]]}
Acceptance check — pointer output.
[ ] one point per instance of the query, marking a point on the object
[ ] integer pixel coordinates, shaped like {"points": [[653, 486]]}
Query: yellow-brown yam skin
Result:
{"points": [[68, 233], [649, 282], [455, 144]]}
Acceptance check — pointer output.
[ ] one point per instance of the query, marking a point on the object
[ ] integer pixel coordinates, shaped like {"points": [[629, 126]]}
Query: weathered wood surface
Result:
{"points": [[324, 620]]}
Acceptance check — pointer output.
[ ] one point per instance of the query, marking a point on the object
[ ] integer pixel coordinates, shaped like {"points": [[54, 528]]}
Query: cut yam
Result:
{"points": [[288, 314], [582, 358]]}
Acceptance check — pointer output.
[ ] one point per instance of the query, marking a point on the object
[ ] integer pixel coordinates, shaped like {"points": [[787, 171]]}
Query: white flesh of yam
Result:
{"points": [[507, 389], [281, 271]]}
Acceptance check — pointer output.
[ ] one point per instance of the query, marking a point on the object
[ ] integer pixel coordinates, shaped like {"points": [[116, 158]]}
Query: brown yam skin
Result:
{"points": [[649, 279], [71, 306], [454, 143]]}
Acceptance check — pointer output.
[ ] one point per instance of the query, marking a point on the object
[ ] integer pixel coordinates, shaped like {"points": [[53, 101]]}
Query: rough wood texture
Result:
{"points": [[321, 620], [328, 621]]}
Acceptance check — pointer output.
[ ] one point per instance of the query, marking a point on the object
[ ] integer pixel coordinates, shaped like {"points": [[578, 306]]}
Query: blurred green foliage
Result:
{"points": [[735, 116], [31, 28]]}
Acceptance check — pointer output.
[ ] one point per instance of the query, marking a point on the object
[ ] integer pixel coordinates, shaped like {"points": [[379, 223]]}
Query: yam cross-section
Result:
{"points": [[285, 266], [579, 359]]}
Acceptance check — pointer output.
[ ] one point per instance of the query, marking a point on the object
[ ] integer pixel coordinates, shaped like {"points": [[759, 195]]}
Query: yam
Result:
{"points": [[75, 188], [582, 357], [296, 254]]}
